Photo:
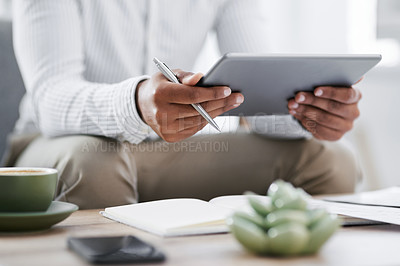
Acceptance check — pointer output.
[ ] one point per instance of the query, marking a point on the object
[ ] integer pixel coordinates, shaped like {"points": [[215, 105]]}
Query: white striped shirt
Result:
{"points": [[81, 60]]}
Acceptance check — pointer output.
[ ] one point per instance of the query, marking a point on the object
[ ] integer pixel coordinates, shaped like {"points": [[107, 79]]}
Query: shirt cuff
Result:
{"points": [[131, 127]]}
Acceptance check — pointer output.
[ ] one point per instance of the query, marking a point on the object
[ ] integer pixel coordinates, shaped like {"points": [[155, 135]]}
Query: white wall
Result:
{"points": [[309, 26], [5, 9]]}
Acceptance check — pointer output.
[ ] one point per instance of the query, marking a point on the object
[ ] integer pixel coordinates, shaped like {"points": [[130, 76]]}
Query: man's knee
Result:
{"points": [[334, 169], [96, 173], [344, 170]]}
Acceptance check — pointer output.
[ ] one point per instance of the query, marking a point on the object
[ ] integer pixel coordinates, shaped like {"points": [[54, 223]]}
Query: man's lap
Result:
{"points": [[99, 172]]}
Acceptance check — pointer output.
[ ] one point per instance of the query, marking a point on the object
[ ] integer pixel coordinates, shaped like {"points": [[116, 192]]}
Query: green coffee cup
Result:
{"points": [[26, 189]]}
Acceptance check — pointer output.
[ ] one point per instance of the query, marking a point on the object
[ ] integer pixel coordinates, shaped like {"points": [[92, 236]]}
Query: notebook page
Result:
{"points": [[375, 213], [238, 202], [161, 216], [389, 197]]}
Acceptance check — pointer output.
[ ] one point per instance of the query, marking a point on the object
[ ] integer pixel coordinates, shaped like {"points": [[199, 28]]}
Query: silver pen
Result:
{"points": [[164, 69]]}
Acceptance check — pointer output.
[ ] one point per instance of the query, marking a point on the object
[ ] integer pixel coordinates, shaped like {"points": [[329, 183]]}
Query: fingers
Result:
{"points": [[182, 111], [177, 121], [191, 125], [183, 94], [188, 78], [348, 111], [319, 131], [343, 95], [323, 118], [193, 121], [328, 113], [166, 105], [174, 137]]}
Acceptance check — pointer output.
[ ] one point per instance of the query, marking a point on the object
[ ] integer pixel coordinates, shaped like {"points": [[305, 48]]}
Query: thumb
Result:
{"points": [[189, 78]]}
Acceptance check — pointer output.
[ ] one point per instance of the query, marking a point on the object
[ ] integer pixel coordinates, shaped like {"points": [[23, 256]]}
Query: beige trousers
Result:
{"points": [[96, 172]]}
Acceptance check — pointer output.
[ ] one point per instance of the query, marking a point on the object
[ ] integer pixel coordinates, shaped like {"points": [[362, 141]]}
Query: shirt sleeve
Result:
{"points": [[50, 52], [243, 26]]}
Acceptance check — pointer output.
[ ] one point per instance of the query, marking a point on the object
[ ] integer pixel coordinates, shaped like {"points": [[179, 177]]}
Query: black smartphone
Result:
{"points": [[115, 249]]}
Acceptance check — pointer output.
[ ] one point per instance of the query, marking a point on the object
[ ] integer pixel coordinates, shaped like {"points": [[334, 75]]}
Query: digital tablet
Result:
{"points": [[269, 81]]}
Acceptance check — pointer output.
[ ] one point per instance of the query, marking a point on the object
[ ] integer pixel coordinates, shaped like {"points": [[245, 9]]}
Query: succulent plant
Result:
{"points": [[284, 226]]}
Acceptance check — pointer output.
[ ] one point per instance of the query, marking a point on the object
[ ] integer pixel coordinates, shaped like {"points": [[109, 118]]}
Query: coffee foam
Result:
{"points": [[22, 172]]}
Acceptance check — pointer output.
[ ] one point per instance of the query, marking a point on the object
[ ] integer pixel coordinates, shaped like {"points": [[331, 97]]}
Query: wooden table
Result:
{"points": [[363, 245]]}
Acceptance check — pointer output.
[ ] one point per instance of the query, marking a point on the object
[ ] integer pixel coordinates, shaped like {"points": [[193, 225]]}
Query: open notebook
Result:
{"points": [[178, 217]]}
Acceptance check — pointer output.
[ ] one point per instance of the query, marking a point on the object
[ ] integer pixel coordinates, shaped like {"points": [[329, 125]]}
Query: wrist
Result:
{"points": [[139, 86]]}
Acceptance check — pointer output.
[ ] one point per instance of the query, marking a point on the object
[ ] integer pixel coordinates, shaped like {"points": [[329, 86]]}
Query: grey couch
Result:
{"points": [[11, 84]]}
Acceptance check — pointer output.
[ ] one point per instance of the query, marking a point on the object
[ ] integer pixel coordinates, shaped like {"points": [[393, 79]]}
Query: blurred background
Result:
{"points": [[341, 26]]}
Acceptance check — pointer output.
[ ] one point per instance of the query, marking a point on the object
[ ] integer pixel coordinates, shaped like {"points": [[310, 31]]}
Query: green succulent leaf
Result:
{"points": [[283, 216], [259, 207], [284, 226], [288, 239], [251, 236], [321, 231]]}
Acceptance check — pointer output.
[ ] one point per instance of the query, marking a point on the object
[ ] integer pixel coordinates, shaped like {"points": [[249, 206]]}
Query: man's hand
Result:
{"points": [[165, 106], [328, 113]]}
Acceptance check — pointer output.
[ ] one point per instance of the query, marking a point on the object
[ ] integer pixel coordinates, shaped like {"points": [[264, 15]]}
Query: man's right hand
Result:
{"points": [[165, 106]]}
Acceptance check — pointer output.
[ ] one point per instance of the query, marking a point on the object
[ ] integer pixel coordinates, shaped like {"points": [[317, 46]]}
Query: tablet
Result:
{"points": [[269, 81]]}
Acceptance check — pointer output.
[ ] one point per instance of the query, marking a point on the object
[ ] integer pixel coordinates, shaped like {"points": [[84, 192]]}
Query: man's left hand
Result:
{"points": [[328, 113]]}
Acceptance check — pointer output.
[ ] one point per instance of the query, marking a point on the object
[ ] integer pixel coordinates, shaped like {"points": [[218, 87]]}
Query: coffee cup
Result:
{"points": [[26, 189]]}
